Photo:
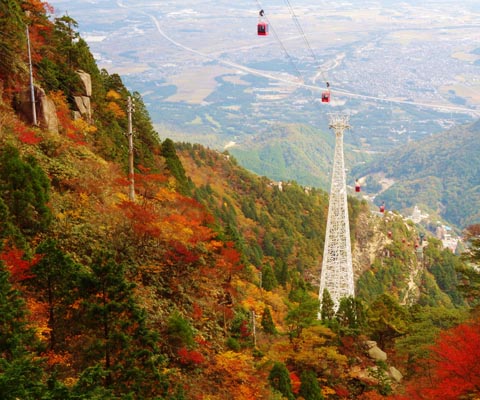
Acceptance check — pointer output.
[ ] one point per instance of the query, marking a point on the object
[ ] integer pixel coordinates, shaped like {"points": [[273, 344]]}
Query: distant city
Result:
{"points": [[403, 71]]}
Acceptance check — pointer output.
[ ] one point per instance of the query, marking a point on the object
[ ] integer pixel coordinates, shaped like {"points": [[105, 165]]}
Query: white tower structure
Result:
{"points": [[337, 269]]}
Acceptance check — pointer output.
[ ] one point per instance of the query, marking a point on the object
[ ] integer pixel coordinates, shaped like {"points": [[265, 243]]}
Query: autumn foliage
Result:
{"points": [[455, 367], [26, 135], [19, 266]]}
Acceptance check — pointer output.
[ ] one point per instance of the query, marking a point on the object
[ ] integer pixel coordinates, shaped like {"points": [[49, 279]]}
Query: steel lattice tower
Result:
{"points": [[337, 269]]}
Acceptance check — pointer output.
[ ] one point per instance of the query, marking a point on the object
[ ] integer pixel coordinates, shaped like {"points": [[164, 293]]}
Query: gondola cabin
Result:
{"points": [[326, 97], [382, 208], [262, 29], [357, 186]]}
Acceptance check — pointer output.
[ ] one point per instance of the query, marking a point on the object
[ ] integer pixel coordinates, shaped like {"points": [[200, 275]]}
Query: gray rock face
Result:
{"points": [[83, 106], [395, 374], [44, 108], [374, 351], [48, 114], [87, 83]]}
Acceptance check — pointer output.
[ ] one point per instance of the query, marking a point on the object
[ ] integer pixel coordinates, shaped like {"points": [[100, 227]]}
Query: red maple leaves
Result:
{"points": [[455, 366], [19, 267]]}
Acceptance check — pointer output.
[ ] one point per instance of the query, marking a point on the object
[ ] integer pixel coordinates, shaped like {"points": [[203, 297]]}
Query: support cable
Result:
{"points": [[305, 39], [300, 76]]}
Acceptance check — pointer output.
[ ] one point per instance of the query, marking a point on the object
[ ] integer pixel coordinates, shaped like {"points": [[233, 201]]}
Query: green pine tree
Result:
{"points": [[268, 278], [279, 379], [55, 283], [20, 369], [25, 190], [124, 351], [267, 321], [174, 165], [309, 387], [327, 312]]}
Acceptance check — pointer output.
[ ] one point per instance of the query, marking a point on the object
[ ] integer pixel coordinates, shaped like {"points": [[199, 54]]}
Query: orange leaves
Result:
{"points": [[37, 6], [187, 229], [113, 106], [38, 318], [237, 377], [54, 358], [143, 218], [115, 109], [63, 113]]}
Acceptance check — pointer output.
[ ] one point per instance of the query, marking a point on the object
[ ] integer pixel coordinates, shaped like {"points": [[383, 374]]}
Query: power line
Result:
{"points": [[263, 15], [345, 93], [305, 39]]}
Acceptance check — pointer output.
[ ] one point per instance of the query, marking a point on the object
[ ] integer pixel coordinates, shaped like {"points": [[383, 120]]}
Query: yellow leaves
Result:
{"points": [[166, 195], [113, 95], [116, 110], [84, 127], [327, 391], [121, 196], [113, 105], [312, 350], [238, 375], [70, 381]]}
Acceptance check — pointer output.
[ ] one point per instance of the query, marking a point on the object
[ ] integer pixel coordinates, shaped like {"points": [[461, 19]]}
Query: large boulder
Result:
{"points": [[86, 83], [44, 108], [83, 106], [395, 374], [374, 351]]}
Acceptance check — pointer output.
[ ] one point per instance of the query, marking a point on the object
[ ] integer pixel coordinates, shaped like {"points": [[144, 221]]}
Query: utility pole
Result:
{"points": [[337, 268], [131, 171], [254, 326], [32, 89]]}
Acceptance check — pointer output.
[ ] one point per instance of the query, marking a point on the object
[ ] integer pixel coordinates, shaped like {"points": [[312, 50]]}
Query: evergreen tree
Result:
{"points": [[267, 321], [20, 369], [174, 165], [268, 278], [327, 312], [25, 191], [387, 320], [309, 388], [123, 347], [281, 271], [55, 282], [303, 315], [279, 379], [350, 314], [12, 44], [8, 229], [149, 142]]}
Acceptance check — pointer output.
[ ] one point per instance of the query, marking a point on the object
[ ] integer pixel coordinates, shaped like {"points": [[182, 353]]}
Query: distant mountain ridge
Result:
{"points": [[441, 173], [292, 152]]}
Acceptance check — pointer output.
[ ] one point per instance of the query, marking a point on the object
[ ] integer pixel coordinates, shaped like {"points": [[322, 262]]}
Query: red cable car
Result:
{"points": [[262, 28], [382, 207], [326, 97], [357, 186]]}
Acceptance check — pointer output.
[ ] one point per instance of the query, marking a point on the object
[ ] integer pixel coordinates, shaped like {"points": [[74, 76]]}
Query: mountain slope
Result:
{"points": [[292, 152], [441, 173], [205, 287]]}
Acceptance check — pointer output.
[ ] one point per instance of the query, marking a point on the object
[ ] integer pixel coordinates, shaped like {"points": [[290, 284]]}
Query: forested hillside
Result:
{"points": [[441, 174], [205, 286]]}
